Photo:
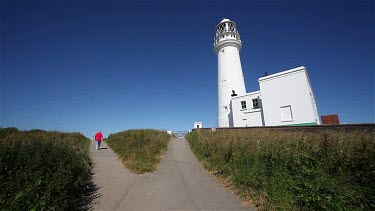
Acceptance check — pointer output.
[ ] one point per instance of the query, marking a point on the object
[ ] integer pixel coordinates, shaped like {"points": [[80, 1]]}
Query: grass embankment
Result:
{"points": [[292, 170], [42, 170], [139, 150]]}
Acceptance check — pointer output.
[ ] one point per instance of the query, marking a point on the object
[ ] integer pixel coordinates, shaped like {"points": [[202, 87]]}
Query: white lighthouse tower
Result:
{"points": [[227, 47]]}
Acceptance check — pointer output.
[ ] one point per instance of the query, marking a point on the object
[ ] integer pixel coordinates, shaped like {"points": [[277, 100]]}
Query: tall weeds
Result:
{"points": [[42, 170], [139, 150], [328, 170]]}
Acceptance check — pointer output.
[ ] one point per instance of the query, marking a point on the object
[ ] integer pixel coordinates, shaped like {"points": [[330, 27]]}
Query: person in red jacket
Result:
{"points": [[98, 139]]}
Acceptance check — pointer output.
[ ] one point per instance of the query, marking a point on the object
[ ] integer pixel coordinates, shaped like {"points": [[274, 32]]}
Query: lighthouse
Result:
{"points": [[231, 82]]}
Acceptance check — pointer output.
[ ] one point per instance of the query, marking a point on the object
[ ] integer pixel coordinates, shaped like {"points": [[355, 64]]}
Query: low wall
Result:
{"points": [[308, 128]]}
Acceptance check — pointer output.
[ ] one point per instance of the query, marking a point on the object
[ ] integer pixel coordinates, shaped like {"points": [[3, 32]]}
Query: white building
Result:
{"points": [[248, 110], [198, 125], [284, 98]]}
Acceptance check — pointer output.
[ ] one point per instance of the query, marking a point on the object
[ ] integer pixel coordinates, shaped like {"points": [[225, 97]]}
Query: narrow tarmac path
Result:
{"points": [[180, 183]]}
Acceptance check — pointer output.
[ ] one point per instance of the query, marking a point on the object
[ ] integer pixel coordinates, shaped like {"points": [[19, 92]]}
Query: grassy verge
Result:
{"points": [[42, 170], [293, 170], [139, 150]]}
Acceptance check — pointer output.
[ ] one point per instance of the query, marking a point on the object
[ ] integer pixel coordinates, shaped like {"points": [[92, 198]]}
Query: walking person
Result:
{"points": [[98, 139]]}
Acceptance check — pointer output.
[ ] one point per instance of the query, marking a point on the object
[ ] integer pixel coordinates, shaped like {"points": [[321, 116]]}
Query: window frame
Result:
{"points": [[255, 100], [243, 105], [288, 109]]}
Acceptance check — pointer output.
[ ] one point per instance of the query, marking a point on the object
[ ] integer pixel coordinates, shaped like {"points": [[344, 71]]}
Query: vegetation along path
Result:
{"points": [[179, 184]]}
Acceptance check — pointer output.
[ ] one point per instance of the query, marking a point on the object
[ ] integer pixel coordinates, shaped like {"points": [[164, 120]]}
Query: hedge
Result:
{"points": [[329, 170], [139, 150], [42, 170]]}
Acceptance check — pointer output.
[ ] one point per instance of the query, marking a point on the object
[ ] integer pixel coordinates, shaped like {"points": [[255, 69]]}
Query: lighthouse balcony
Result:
{"points": [[227, 36]]}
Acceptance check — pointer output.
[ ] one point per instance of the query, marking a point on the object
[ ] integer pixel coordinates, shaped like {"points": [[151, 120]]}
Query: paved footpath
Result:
{"points": [[179, 184]]}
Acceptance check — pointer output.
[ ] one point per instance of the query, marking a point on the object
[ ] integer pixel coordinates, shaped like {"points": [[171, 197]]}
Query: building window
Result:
{"points": [[255, 103], [286, 113], [243, 104]]}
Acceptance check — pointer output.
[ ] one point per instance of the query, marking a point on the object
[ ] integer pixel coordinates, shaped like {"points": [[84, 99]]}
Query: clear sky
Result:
{"points": [[116, 65]]}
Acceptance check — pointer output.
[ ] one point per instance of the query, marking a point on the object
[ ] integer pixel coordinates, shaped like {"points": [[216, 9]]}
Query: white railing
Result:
{"points": [[233, 35]]}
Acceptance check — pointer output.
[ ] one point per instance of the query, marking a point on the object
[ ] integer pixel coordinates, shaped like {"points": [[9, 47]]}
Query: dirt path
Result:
{"points": [[179, 184]]}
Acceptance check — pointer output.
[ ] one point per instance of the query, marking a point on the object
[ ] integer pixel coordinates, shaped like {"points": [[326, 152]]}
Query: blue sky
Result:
{"points": [[115, 65]]}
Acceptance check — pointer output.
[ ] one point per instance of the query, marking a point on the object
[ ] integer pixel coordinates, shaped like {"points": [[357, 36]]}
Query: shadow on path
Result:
{"points": [[91, 193]]}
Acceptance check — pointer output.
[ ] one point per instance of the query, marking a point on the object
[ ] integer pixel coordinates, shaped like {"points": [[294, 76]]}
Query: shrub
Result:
{"points": [[139, 150], [329, 170], [42, 170]]}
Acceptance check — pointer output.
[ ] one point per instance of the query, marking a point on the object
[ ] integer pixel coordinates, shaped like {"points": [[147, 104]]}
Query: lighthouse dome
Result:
{"points": [[224, 20]]}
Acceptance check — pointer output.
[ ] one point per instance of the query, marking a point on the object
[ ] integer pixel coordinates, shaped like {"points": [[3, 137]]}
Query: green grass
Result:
{"points": [[42, 170], [329, 170], [139, 150]]}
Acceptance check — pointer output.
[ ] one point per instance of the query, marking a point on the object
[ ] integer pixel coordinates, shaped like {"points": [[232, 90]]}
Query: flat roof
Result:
{"points": [[282, 73], [250, 93]]}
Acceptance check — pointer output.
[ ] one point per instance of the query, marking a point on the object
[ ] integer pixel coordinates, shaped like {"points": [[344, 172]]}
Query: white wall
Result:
{"points": [[313, 103], [230, 78], [288, 95], [249, 116], [198, 124]]}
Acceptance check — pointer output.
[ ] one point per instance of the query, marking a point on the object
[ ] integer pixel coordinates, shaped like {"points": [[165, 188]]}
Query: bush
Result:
{"points": [[42, 170], [139, 150], [330, 170]]}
